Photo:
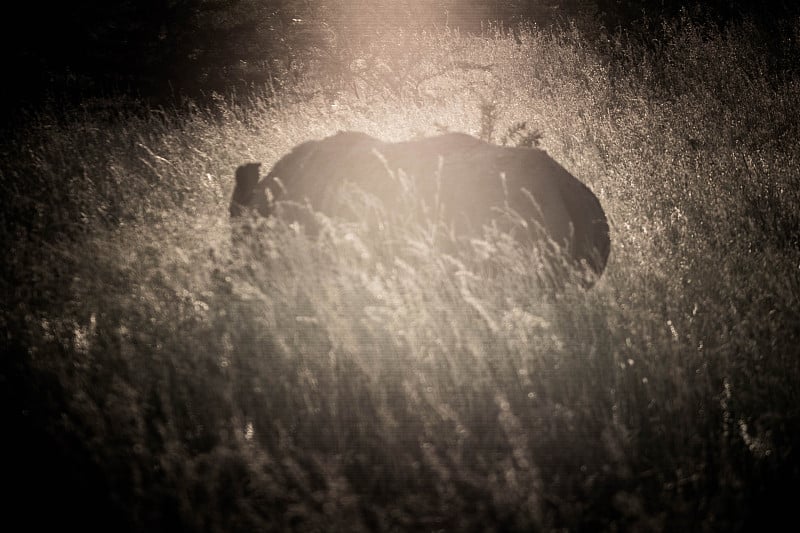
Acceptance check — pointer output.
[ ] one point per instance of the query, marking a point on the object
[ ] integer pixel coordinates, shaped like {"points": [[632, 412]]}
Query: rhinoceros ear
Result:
{"points": [[246, 180], [247, 176]]}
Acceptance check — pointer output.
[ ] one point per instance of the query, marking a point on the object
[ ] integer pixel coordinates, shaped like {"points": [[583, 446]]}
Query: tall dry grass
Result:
{"points": [[156, 378]]}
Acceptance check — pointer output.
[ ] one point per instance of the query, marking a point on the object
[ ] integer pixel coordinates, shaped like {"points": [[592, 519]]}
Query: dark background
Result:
{"points": [[163, 51]]}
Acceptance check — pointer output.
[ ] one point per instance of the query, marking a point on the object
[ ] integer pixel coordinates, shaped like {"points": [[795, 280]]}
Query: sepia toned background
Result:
{"points": [[155, 378]]}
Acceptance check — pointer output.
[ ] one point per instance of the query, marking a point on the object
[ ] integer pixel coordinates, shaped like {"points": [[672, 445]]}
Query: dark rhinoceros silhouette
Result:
{"points": [[471, 180]]}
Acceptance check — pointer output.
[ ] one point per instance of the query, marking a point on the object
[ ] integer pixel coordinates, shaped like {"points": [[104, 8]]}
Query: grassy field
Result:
{"points": [[155, 379]]}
